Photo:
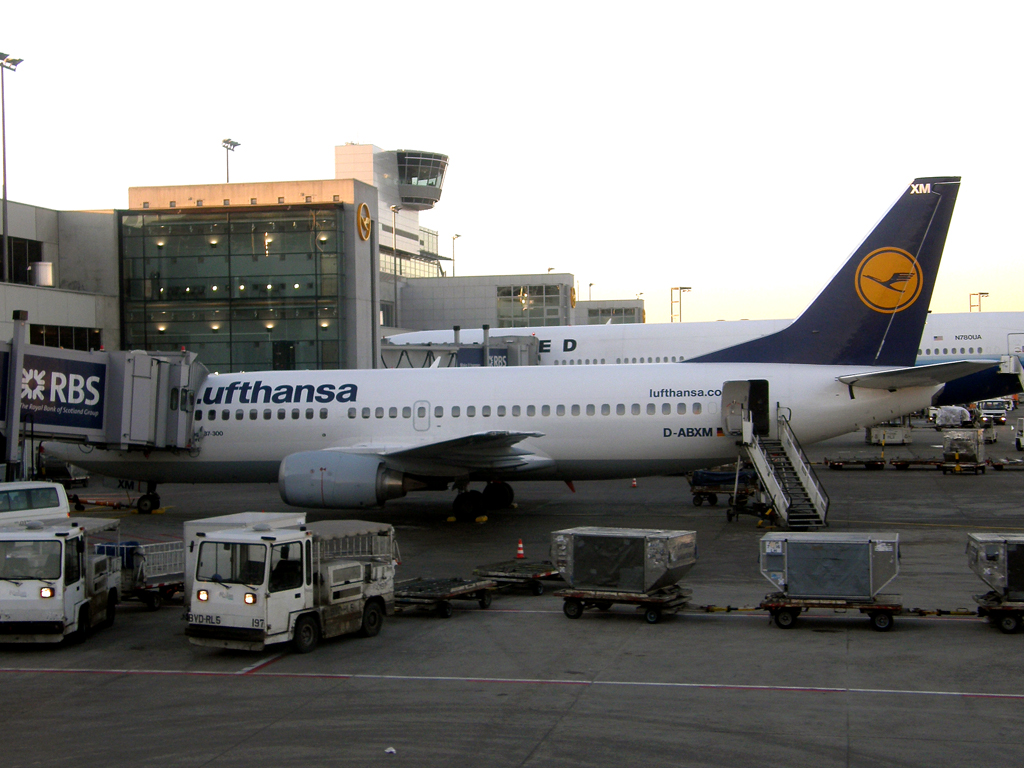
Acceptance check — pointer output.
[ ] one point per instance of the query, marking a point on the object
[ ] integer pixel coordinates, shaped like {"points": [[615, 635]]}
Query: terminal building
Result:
{"points": [[268, 275]]}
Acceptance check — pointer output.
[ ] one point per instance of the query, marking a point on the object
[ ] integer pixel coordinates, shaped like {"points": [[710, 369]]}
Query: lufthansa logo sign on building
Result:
{"points": [[889, 280], [363, 220]]}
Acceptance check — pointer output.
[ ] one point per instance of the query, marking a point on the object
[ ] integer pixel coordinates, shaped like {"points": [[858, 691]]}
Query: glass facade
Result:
{"points": [[522, 306], [253, 290], [617, 315]]}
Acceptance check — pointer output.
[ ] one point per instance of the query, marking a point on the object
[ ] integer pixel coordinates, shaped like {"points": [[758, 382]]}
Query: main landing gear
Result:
{"points": [[149, 501], [494, 496]]}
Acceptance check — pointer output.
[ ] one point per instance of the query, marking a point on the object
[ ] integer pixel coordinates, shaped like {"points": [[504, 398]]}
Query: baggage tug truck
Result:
{"points": [[51, 586], [259, 583]]}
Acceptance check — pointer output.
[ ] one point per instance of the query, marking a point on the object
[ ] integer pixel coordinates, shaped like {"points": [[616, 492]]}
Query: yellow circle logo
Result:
{"points": [[363, 220], [889, 280]]}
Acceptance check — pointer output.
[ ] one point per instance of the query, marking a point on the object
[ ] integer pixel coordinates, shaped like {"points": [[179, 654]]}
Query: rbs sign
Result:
{"points": [[62, 393]]}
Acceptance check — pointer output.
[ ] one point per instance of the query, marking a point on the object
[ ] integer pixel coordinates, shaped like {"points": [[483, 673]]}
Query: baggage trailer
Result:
{"points": [[520, 573], [1008, 615], [785, 610], [653, 605], [437, 594], [705, 485], [963, 450], [151, 571], [841, 571]]}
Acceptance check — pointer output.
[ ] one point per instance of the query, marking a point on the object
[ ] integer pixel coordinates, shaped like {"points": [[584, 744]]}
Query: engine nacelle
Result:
{"points": [[334, 480]]}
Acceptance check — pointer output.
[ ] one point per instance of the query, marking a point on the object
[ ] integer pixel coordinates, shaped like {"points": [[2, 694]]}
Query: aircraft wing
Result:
{"points": [[917, 375], [480, 450]]}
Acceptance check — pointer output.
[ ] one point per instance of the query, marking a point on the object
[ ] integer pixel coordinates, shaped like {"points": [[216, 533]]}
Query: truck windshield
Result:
{"points": [[232, 563], [30, 560]]}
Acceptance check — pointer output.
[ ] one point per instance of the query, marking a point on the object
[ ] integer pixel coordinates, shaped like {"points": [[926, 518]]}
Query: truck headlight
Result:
{"points": [[250, 598], [46, 592], [202, 595]]}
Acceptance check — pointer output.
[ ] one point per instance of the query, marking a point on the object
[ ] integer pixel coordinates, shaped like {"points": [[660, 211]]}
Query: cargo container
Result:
{"points": [[851, 566], [635, 560], [998, 560]]}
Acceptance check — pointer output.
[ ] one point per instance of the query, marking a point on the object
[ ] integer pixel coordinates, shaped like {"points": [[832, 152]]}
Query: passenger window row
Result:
{"points": [[620, 360], [254, 414], [485, 411], [951, 350]]}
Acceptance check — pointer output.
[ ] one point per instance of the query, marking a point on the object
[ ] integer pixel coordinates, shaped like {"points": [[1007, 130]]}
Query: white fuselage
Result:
{"points": [[593, 422], [956, 336]]}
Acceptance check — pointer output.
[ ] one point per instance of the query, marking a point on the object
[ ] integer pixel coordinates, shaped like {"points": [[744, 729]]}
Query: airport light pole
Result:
{"points": [[394, 249], [229, 147], [590, 292], [454, 238], [11, 63]]}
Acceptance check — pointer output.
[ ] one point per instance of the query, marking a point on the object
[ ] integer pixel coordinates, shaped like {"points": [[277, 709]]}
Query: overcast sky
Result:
{"points": [[742, 149]]}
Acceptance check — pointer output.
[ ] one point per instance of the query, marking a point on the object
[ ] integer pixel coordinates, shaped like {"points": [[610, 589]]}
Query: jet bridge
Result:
{"points": [[126, 400]]}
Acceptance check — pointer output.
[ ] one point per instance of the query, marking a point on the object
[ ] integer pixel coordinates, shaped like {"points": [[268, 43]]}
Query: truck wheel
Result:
{"points": [[111, 609], [573, 608], [652, 615], [785, 618], [153, 600], [84, 625], [445, 610], [484, 598], [881, 621], [373, 620], [307, 634], [1009, 623]]}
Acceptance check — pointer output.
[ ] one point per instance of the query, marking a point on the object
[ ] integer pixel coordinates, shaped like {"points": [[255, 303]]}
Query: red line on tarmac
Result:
{"points": [[514, 681]]}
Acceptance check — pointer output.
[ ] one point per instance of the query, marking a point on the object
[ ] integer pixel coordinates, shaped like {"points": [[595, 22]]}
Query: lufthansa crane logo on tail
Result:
{"points": [[889, 280]]}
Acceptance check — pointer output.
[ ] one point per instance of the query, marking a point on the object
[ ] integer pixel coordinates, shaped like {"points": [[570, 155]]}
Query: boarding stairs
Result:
{"points": [[787, 477]]}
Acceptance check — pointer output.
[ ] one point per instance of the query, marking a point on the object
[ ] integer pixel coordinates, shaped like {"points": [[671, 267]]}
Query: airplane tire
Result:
{"points": [[146, 504]]}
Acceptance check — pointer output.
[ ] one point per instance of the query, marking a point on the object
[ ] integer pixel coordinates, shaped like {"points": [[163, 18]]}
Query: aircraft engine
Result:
{"points": [[333, 480]]}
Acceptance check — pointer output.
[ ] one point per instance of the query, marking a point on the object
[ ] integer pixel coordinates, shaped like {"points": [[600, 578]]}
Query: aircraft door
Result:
{"points": [[1015, 344], [760, 407], [735, 400], [421, 415]]}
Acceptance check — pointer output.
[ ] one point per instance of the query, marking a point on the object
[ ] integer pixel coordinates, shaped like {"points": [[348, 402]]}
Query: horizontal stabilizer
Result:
{"points": [[917, 376]]}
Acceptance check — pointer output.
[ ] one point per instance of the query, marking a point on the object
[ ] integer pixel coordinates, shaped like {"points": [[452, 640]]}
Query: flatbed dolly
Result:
{"points": [[908, 463], [520, 573], [705, 485], [785, 610], [1008, 615], [437, 594], [962, 467], [871, 462], [653, 605]]}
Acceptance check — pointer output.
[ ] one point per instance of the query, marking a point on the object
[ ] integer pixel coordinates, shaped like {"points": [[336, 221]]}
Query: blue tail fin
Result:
{"points": [[873, 312]]}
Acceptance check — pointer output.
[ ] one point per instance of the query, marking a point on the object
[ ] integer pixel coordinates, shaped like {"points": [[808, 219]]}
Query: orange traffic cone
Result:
{"points": [[634, 483], [520, 555]]}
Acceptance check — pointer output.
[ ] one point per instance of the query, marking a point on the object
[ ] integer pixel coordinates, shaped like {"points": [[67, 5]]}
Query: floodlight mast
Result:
{"points": [[229, 147], [11, 63]]}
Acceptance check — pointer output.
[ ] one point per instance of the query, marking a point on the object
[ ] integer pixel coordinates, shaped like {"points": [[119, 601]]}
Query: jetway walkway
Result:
{"points": [[125, 400]]}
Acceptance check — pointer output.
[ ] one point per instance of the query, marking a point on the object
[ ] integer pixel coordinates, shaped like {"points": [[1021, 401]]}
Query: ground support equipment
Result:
{"points": [[962, 467], [520, 573], [706, 485], [653, 605], [868, 462], [1008, 615], [785, 610], [908, 463], [437, 594]]}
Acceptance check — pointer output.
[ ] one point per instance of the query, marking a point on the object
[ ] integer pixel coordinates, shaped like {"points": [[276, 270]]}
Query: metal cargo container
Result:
{"points": [[966, 446], [998, 559], [852, 566], [623, 559]]}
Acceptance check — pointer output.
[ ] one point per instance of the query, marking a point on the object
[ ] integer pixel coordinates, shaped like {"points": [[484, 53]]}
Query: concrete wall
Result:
{"points": [[52, 306], [88, 252], [361, 278]]}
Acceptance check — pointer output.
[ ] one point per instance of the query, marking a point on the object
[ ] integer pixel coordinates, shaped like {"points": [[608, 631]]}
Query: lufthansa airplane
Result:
{"points": [[954, 336], [356, 438]]}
